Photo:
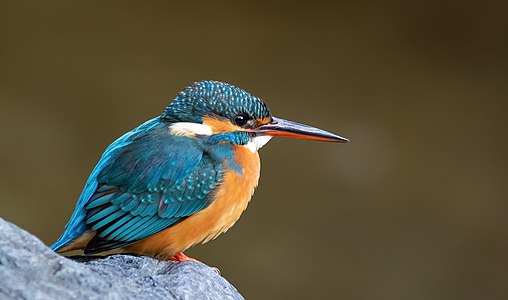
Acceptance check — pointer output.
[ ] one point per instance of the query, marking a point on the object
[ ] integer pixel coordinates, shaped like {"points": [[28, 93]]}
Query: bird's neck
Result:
{"points": [[235, 137]]}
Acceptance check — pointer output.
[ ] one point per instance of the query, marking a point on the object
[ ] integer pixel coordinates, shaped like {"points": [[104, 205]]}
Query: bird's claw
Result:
{"points": [[181, 257]]}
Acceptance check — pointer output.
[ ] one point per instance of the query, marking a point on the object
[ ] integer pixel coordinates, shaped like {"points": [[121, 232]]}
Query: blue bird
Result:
{"points": [[181, 178]]}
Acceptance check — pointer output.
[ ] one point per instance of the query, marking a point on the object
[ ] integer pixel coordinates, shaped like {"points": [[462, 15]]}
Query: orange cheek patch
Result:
{"points": [[220, 125], [263, 121]]}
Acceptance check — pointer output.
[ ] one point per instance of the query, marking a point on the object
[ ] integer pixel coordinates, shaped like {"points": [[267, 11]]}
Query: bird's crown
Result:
{"points": [[215, 99]]}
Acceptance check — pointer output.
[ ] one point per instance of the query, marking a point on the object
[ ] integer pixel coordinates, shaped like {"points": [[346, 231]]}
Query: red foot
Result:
{"points": [[180, 256]]}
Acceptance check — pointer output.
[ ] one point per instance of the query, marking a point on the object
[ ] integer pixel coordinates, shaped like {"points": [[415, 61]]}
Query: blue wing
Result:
{"points": [[146, 181]]}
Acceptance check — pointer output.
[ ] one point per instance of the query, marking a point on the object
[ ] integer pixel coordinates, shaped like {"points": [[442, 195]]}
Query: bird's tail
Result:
{"points": [[74, 230], [59, 244], [66, 243]]}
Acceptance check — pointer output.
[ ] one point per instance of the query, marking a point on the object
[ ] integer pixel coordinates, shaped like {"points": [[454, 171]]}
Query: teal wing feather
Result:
{"points": [[155, 182], [147, 181], [121, 215]]}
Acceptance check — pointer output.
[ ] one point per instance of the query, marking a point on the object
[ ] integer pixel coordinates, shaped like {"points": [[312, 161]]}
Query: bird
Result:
{"points": [[181, 178]]}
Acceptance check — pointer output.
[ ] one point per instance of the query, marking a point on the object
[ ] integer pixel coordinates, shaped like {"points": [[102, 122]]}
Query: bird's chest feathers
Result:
{"points": [[236, 190], [232, 196]]}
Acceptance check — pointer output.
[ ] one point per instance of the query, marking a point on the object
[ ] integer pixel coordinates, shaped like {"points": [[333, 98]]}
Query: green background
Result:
{"points": [[414, 207]]}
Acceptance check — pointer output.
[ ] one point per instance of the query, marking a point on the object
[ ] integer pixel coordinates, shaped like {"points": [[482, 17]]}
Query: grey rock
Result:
{"points": [[30, 270]]}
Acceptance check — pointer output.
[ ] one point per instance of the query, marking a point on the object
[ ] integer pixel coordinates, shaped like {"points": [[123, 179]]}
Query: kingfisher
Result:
{"points": [[181, 178]]}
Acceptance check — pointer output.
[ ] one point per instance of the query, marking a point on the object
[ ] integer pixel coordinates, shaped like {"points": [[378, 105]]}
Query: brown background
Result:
{"points": [[415, 207]]}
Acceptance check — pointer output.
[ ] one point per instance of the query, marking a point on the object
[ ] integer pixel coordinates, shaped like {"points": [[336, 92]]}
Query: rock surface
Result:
{"points": [[30, 270]]}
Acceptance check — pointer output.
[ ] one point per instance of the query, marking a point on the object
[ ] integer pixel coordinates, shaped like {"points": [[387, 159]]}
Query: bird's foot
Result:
{"points": [[181, 257]]}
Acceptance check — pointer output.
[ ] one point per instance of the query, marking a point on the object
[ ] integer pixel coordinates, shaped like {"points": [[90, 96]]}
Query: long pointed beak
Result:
{"points": [[290, 129]]}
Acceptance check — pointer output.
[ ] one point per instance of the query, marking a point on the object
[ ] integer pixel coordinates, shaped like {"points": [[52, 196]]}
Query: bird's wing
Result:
{"points": [[154, 182], [76, 225], [146, 181]]}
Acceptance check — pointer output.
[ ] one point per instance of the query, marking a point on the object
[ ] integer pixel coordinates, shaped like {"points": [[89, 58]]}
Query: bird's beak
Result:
{"points": [[290, 129]]}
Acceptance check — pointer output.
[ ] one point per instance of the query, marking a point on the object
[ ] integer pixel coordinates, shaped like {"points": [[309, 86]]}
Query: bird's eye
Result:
{"points": [[241, 120]]}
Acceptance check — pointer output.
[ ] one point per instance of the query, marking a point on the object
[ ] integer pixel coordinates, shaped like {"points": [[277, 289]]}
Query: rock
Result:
{"points": [[30, 270]]}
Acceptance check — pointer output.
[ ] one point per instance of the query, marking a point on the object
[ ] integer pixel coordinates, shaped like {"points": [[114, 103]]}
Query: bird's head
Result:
{"points": [[219, 109]]}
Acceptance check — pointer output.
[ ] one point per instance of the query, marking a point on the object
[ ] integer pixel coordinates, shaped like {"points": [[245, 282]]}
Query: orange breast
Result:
{"points": [[230, 201]]}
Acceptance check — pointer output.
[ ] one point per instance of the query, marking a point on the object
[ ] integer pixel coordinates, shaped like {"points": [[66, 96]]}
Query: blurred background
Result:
{"points": [[414, 207]]}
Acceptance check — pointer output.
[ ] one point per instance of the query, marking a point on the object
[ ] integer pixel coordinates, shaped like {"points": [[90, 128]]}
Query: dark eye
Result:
{"points": [[241, 120]]}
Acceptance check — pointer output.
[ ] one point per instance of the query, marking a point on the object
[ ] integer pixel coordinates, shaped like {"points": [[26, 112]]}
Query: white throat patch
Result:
{"points": [[256, 143]]}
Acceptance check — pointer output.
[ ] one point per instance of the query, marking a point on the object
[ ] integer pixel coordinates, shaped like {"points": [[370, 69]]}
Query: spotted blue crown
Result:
{"points": [[213, 98]]}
